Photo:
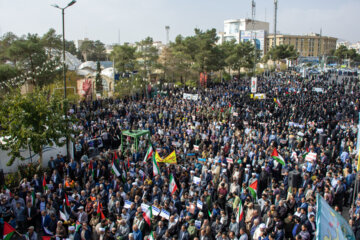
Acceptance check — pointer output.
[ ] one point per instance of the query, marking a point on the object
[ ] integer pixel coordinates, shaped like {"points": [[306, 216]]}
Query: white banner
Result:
{"points": [[253, 84], [127, 204], [196, 180], [199, 204], [144, 207], [189, 96], [155, 211], [165, 214], [319, 90]]}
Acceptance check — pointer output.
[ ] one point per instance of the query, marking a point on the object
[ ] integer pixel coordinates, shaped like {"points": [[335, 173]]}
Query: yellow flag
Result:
{"points": [[171, 158], [251, 95], [358, 165], [157, 157]]}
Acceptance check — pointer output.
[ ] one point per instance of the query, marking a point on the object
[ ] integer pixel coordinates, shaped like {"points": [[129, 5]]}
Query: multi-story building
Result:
{"points": [[242, 30], [311, 45]]}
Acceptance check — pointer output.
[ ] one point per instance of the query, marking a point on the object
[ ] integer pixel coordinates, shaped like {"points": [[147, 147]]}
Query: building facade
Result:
{"points": [[243, 30], [234, 27], [312, 45]]}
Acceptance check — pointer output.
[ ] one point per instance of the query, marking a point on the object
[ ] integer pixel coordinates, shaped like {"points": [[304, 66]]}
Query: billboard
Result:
{"points": [[259, 36], [253, 84]]}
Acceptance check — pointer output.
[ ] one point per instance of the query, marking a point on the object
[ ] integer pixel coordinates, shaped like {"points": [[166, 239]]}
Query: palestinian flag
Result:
{"points": [[209, 213], [151, 236], [156, 169], [276, 156], [77, 226], [149, 154], [172, 186], [99, 211], [230, 107], [306, 153], [115, 167], [148, 215], [91, 167], [8, 231], [277, 102], [44, 184], [253, 189], [240, 213], [67, 200], [7, 191]]}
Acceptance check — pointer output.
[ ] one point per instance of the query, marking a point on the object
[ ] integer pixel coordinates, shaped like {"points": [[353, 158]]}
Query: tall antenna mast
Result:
{"points": [[275, 21], [253, 8], [167, 29]]}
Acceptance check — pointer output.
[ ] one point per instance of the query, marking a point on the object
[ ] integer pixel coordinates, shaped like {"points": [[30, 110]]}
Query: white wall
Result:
{"points": [[47, 153]]}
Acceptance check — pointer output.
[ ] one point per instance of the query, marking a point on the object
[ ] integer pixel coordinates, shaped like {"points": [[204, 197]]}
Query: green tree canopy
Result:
{"points": [[147, 56], [34, 65], [93, 50], [124, 57], [35, 119], [282, 52]]}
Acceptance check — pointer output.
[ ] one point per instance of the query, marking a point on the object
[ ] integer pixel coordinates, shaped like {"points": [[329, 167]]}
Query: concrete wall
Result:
{"points": [[48, 151]]}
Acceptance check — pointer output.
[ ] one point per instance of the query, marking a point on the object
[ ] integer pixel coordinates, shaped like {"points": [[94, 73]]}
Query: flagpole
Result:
{"points": [[354, 194], [356, 176]]}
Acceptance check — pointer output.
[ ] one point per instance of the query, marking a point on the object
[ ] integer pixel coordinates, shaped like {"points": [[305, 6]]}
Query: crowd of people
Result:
{"points": [[230, 186]]}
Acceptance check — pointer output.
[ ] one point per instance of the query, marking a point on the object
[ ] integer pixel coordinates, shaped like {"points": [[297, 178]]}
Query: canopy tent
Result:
{"points": [[135, 134]]}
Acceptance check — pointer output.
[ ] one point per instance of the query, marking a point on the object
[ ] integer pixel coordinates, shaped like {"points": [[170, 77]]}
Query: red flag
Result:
{"points": [[67, 200], [115, 158], [91, 167], [44, 182], [99, 211], [128, 164], [46, 238]]}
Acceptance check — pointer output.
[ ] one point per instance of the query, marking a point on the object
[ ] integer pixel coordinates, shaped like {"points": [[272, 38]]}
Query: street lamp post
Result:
{"points": [[63, 37], [64, 70]]}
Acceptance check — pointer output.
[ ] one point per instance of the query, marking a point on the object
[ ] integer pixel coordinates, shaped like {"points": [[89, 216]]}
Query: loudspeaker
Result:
{"points": [[2, 178], [294, 179]]}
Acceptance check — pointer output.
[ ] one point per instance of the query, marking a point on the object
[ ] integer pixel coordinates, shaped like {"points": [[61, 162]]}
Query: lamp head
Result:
{"points": [[71, 3]]}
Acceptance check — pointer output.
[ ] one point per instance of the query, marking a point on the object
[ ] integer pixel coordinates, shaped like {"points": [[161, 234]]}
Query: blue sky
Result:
{"points": [[137, 19]]}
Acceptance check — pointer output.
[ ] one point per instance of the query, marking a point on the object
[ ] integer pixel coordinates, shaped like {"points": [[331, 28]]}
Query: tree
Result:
{"points": [[204, 52], [51, 41], [71, 48], [98, 79], [147, 57], [124, 58], [282, 52], [341, 53], [99, 51], [229, 50], [35, 119], [86, 48], [8, 74], [34, 65], [5, 42], [93, 50]]}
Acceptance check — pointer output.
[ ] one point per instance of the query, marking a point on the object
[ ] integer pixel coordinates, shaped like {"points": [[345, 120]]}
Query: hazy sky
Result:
{"points": [[137, 19]]}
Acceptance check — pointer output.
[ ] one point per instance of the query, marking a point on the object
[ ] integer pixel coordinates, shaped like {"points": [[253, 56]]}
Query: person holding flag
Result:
{"points": [[172, 185]]}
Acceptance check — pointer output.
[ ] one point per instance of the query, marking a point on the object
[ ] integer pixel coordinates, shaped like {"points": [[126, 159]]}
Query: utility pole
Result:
{"points": [[253, 35], [119, 36], [275, 21], [167, 29]]}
